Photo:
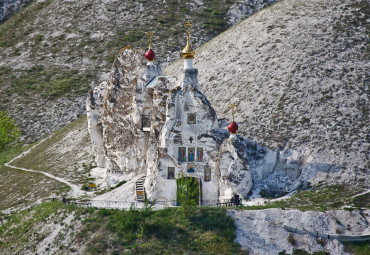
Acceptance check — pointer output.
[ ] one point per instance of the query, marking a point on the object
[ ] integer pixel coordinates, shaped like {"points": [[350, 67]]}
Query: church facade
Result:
{"points": [[158, 129]]}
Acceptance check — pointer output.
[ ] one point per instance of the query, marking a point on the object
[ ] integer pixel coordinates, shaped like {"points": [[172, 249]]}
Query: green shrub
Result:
{"points": [[85, 187], [300, 252], [9, 131], [320, 253], [120, 183], [187, 193], [283, 252]]}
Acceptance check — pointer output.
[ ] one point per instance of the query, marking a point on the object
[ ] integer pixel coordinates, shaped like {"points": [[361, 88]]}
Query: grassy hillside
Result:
{"points": [[67, 154], [19, 188], [55, 228]]}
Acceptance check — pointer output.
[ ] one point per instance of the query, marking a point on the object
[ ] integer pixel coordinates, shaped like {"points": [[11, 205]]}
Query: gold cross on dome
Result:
{"points": [[233, 109], [188, 24], [150, 39]]}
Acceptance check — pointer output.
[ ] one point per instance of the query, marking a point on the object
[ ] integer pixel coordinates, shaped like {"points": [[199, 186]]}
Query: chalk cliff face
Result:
{"points": [[143, 123], [262, 231]]}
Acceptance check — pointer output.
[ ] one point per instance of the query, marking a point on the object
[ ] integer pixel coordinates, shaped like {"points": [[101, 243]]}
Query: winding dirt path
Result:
{"points": [[75, 189], [362, 193]]}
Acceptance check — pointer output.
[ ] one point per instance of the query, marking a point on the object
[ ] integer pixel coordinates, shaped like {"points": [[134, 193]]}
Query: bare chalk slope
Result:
{"points": [[299, 71]]}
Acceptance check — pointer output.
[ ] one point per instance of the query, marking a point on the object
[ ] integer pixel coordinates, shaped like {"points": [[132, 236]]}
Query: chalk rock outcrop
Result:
{"points": [[143, 123], [262, 231]]}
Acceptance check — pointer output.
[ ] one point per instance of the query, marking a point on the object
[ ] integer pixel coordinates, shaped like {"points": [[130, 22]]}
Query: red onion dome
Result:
{"points": [[149, 55], [232, 127]]}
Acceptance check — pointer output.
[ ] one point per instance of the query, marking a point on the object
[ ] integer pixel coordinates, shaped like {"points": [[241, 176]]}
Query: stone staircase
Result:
{"points": [[140, 191]]}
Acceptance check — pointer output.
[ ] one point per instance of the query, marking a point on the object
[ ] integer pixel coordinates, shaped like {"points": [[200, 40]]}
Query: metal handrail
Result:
{"points": [[118, 204]]}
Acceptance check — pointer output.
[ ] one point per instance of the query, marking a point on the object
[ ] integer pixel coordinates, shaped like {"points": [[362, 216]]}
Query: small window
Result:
{"points": [[192, 118], [145, 122]]}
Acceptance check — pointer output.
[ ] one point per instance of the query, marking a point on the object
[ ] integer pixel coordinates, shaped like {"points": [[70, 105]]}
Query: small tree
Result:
{"points": [[9, 131], [187, 193]]}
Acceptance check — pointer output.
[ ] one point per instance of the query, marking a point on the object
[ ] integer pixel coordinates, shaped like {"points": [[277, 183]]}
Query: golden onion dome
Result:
{"points": [[187, 52]]}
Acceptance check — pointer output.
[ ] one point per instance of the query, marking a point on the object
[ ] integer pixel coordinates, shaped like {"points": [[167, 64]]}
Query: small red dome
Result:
{"points": [[149, 55], [233, 127]]}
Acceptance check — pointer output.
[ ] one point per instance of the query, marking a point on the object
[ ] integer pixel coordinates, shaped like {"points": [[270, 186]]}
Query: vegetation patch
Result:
{"points": [[168, 231], [358, 248], [51, 52], [9, 131], [11, 152], [48, 82], [19, 230], [208, 230], [63, 158], [362, 200], [26, 187], [317, 199]]}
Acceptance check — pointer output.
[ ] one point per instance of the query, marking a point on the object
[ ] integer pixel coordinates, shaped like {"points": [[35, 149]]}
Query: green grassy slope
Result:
{"points": [[56, 228], [20, 188], [67, 153]]}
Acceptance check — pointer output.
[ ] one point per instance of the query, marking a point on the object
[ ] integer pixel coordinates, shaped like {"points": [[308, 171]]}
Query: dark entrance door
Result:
{"points": [[188, 190]]}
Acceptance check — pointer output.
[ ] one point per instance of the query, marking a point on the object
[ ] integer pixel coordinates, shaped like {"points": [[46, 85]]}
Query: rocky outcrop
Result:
{"points": [[139, 123], [262, 231]]}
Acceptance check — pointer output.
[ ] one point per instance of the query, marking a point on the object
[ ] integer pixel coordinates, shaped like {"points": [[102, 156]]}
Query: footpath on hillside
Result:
{"points": [[75, 189]]}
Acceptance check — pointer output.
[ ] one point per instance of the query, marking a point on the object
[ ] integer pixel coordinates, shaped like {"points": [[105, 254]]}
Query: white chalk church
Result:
{"points": [[158, 129]]}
